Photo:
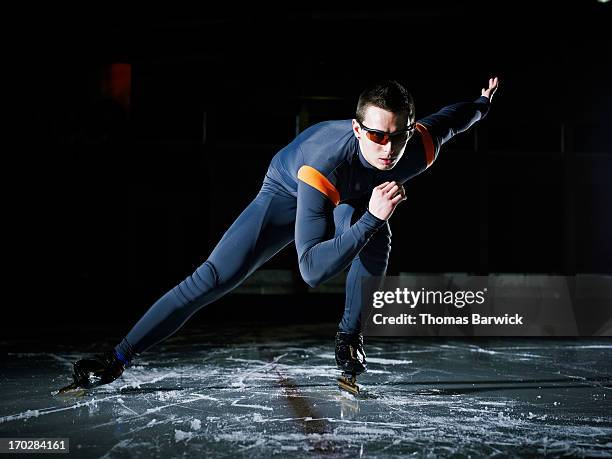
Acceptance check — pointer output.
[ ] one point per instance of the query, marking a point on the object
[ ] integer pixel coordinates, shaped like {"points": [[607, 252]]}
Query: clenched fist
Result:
{"points": [[385, 197]]}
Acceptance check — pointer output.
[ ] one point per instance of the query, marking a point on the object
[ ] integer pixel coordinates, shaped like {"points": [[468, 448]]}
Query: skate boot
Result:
{"points": [[95, 371], [351, 359]]}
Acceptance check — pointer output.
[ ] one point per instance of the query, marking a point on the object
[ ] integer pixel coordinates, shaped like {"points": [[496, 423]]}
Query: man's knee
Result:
{"points": [[380, 242], [376, 252], [203, 280]]}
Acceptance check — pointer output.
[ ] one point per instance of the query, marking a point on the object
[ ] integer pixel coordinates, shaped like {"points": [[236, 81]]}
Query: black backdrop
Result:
{"points": [[119, 204]]}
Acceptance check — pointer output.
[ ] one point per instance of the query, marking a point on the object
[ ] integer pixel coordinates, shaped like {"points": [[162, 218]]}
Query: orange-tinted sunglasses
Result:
{"points": [[383, 138]]}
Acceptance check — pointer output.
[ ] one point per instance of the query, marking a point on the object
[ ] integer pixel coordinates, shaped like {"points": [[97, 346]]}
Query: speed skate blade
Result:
{"points": [[348, 384], [78, 387], [72, 388]]}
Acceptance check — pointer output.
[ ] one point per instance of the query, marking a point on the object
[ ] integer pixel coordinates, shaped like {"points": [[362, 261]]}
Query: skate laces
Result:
{"points": [[353, 342]]}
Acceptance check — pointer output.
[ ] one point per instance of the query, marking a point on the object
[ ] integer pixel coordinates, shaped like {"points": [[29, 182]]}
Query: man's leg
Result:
{"points": [[262, 230], [371, 261]]}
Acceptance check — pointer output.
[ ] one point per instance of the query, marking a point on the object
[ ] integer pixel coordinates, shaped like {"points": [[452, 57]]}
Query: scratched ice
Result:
{"points": [[273, 392]]}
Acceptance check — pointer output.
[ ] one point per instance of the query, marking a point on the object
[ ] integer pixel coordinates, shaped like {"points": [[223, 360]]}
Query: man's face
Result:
{"points": [[385, 155]]}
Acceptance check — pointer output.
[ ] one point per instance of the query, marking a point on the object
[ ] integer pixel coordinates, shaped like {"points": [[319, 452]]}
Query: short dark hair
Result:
{"points": [[388, 95]]}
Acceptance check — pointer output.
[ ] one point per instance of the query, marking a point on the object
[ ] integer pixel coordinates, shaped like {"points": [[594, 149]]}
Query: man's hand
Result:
{"points": [[385, 197], [488, 92]]}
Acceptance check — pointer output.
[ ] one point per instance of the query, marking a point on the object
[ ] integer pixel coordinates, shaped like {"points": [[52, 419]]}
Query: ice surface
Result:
{"points": [[273, 393]]}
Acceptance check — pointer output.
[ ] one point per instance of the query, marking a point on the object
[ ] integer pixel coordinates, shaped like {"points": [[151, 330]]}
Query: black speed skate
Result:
{"points": [[95, 371], [351, 359]]}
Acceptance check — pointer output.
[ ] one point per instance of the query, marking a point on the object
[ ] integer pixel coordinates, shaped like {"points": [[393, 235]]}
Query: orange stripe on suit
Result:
{"points": [[315, 179], [430, 150]]}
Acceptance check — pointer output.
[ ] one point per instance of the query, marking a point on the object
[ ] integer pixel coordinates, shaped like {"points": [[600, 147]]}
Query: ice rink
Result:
{"points": [[271, 391]]}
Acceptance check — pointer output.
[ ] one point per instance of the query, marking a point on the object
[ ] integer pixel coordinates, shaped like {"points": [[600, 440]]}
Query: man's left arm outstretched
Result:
{"points": [[440, 127]]}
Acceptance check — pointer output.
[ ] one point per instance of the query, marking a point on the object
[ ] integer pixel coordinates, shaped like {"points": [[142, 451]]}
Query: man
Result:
{"points": [[332, 190]]}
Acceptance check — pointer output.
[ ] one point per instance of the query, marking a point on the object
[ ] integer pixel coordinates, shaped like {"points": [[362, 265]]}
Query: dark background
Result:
{"points": [[121, 201]]}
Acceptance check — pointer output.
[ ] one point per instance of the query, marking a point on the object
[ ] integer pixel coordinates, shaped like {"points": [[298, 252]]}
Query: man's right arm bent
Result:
{"points": [[319, 256]]}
